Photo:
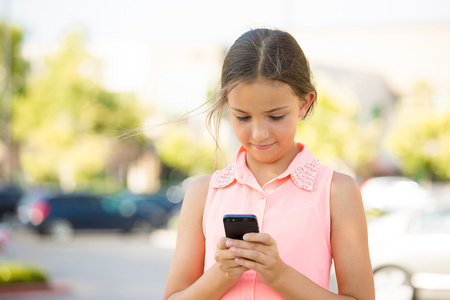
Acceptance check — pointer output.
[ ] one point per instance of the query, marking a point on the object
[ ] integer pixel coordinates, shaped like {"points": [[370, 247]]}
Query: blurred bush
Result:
{"points": [[423, 146], [12, 271], [336, 136], [420, 136]]}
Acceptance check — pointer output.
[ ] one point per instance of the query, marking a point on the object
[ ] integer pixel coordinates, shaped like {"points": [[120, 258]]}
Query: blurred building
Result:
{"points": [[143, 174], [401, 54], [370, 91], [181, 77]]}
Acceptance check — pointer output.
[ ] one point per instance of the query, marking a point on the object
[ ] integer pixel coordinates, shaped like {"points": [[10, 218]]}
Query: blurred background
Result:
{"points": [[91, 183]]}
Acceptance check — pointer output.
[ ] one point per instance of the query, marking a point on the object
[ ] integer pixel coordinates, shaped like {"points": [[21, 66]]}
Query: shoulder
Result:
{"points": [[191, 214], [199, 184], [346, 207], [197, 192], [345, 196], [343, 185]]}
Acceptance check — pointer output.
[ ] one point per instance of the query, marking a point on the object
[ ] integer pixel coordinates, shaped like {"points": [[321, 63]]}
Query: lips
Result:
{"points": [[263, 147]]}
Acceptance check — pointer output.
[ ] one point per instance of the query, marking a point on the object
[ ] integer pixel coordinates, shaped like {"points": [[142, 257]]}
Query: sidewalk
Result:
{"points": [[35, 289]]}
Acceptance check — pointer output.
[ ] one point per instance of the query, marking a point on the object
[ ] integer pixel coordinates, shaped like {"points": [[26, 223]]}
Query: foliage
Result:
{"points": [[423, 146], [183, 149], [12, 271], [11, 59], [336, 137], [67, 123], [13, 71]]}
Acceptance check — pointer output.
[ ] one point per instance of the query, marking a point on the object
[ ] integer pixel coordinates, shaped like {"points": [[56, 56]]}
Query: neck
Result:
{"points": [[264, 172]]}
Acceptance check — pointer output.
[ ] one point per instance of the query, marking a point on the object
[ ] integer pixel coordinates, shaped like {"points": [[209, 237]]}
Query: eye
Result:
{"points": [[242, 118], [277, 118]]}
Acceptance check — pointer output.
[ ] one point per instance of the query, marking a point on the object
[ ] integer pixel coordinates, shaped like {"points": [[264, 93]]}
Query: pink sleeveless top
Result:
{"points": [[294, 208]]}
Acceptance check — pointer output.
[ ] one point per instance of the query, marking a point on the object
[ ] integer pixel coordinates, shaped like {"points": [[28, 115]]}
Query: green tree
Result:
{"points": [[420, 137], [67, 123], [422, 146], [181, 148], [13, 71], [13, 67], [335, 135]]}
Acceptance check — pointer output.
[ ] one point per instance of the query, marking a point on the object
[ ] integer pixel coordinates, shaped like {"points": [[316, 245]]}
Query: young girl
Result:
{"points": [[307, 213]]}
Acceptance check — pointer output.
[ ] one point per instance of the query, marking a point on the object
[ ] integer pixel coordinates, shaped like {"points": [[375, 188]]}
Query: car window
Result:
{"points": [[93, 203], [81, 202], [110, 205]]}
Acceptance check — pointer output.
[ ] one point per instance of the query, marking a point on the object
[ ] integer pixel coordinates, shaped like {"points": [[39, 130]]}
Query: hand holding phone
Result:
{"points": [[236, 225]]}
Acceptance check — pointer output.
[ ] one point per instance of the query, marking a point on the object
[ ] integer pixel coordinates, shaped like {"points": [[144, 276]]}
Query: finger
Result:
{"points": [[248, 254], [263, 238], [248, 264], [240, 244], [228, 264], [236, 271], [223, 255], [222, 243], [256, 252], [256, 261], [223, 252]]}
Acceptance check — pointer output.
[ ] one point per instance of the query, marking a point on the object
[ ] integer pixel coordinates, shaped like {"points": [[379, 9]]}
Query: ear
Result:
{"points": [[306, 103]]}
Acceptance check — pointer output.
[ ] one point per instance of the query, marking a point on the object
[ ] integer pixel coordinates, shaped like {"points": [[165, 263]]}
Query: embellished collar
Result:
{"points": [[302, 170]]}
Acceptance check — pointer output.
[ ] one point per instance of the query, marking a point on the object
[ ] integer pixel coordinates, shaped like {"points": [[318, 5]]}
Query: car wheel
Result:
{"points": [[393, 283], [61, 230]]}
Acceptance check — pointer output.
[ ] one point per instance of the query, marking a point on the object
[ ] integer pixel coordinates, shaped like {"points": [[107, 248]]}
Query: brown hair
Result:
{"points": [[268, 53]]}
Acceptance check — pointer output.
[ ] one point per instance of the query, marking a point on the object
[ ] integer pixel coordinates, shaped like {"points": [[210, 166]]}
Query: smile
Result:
{"points": [[263, 147]]}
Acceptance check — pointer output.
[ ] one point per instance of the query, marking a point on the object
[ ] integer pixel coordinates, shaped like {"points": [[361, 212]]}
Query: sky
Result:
{"points": [[47, 21], [348, 33]]}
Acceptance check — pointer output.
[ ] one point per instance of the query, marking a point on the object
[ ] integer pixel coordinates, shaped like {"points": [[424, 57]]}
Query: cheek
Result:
{"points": [[286, 130], [240, 129]]}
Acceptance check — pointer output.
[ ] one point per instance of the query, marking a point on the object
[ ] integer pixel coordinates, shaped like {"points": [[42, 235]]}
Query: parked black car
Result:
{"points": [[9, 197], [160, 206], [61, 214]]}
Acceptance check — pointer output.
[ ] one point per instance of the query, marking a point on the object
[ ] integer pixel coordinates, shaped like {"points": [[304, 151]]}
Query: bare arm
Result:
{"points": [[349, 247], [349, 239], [186, 279]]}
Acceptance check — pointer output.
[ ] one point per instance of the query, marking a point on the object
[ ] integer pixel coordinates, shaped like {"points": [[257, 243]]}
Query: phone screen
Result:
{"points": [[238, 225]]}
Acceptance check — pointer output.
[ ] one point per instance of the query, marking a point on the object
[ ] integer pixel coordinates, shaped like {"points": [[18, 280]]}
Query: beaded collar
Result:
{"points": [[303, 170]]}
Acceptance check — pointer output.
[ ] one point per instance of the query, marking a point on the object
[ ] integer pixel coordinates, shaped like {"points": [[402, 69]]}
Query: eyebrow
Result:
{"points": [[269, 111]]}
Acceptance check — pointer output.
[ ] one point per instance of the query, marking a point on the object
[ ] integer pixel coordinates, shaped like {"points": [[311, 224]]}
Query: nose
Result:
{"points": [[260, 131]]}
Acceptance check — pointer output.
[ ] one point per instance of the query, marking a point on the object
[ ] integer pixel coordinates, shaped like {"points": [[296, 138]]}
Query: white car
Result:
{"points": [[390, 193], [410, 253]]}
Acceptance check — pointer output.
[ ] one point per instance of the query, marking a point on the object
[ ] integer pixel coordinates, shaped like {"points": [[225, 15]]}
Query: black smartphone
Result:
{"points": [[238, 225]]}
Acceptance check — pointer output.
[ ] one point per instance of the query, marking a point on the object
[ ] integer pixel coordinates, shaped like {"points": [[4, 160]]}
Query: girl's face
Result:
{"points": [[264, 115]]}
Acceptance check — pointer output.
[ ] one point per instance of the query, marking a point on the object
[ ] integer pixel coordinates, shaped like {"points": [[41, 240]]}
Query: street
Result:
{"points": [[99, 266], [96, 266]]}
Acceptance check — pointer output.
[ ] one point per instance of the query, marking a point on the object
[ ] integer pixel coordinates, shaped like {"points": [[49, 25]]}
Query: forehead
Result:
{"points": [[262, 91]]}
